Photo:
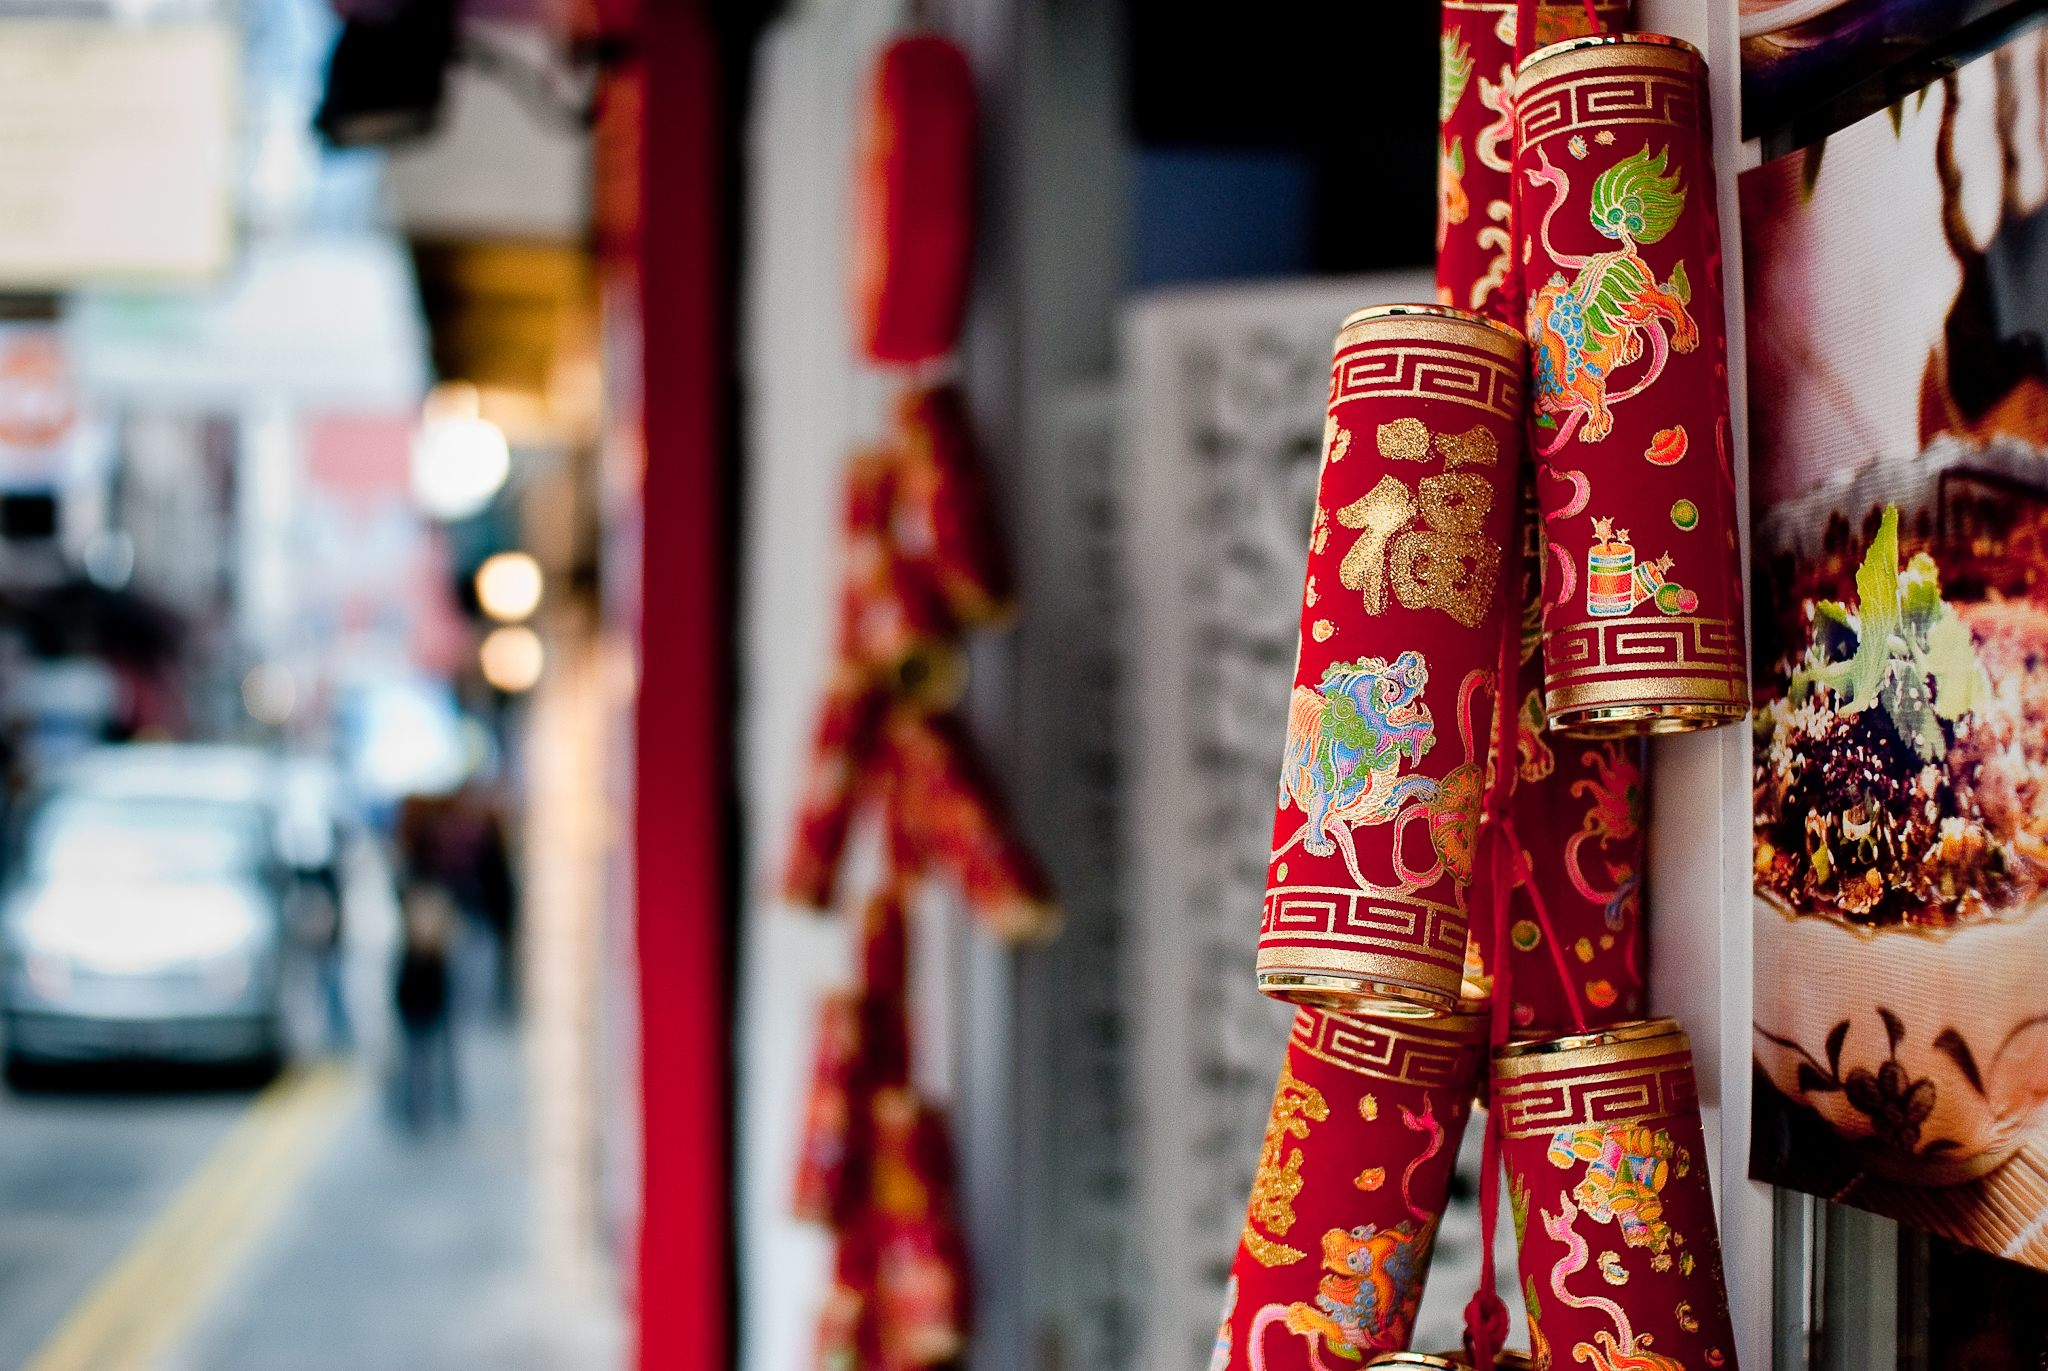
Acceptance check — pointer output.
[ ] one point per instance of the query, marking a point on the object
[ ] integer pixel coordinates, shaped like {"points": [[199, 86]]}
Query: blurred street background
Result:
{"points": [[312, 693]]}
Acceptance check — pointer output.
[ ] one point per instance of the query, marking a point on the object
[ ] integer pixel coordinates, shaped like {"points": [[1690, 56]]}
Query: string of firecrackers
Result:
{"points": [[1564, 888], [925, 564], [1611, 310]]}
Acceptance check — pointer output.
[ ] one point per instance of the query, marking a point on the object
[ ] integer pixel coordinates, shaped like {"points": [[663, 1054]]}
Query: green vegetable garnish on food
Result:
{"points": [[1901, 639]]}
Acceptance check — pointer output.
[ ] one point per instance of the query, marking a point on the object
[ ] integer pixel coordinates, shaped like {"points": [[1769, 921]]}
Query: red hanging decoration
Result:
{"points": [[1617, 229], [1403, 607], [1351, 1187], [914, 201], [1607, 1173], [1475, 116]]}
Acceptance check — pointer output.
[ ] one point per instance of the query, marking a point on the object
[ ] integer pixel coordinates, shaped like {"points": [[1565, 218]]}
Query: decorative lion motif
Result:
{"points": [[1583, 330], [1372, 1285], [1346, 740]]}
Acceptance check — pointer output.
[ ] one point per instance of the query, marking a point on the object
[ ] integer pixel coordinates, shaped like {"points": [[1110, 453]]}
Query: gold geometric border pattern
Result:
{"points": [[1484, 381], [1660, 1087], [1417, 929], [1434, 1053]]}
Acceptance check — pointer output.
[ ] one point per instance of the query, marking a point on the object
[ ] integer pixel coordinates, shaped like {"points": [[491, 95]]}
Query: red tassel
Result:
{"points": [[914, 201]]}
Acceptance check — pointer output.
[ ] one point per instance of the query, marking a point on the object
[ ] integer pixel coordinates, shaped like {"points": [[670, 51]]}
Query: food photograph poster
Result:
{"points": [[1896, 288]]}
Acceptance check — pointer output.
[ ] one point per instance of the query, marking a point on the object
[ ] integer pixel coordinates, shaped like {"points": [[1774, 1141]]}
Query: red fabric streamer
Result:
{"points": [[914, 201]]}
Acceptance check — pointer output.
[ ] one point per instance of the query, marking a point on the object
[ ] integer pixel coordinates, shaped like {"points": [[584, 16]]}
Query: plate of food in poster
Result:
{"points": [[1897, 305]]}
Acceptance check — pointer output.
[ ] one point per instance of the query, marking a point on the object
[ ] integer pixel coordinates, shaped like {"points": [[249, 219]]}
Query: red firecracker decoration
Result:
{"points": [[1475, 142], [1621, 249], [1607, 1173], [914, 201], [1575, 931], [943, 518], [1351, 1186], [1404, 605], [876, 1164], [925, 561]]}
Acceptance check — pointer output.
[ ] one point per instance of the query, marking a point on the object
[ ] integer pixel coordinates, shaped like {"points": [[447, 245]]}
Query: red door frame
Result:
{"points": [[683, 815]]}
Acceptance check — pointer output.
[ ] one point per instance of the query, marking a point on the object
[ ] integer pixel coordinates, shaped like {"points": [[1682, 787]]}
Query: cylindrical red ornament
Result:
{"points": [[1616, 226], [1607, 1175], [1575, 927], [914, 201], [945, 812], [1351, 1185], [1475, 144], [1402, 613], [849, 724], [894, 624], [827, 1140], [944, 520]]}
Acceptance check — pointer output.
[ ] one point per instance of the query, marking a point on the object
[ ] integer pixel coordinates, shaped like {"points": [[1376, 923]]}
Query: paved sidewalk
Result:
{"points": [[408, 1254]]}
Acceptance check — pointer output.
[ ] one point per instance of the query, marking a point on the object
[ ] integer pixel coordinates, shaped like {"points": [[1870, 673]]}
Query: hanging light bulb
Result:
{"points": [[508, 586], [511, 658], [459, 458]]}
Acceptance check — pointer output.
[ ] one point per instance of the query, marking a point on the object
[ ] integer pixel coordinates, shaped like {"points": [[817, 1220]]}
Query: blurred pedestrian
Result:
{"points": [[426, 1069], [315, 920], [459, 841], [309, 843]]}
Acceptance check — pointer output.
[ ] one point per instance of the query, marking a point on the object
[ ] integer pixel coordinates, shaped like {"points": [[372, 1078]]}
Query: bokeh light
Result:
{"points": [[511, 658], [508, 586]]}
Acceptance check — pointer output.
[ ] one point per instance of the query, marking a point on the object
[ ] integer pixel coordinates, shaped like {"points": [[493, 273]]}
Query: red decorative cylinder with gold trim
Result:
{"points": [[1403, 608], [1607, 1176], [1351, 1185], [1475, 143], [1575, 927], [1616, 225]]}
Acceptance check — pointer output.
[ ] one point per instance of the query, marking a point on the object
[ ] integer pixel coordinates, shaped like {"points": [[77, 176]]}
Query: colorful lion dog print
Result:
{"points": [[1345, 743], [1583, 330], [1372, 1277]]}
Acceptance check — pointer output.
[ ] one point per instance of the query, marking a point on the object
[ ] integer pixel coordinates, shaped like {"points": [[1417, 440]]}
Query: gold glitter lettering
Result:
{"points": [[1404, 440], [1278, 1181], [1381, 513], [1476, 446]]}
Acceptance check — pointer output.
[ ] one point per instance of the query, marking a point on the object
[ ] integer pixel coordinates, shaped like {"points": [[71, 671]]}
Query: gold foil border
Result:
{"points": [[1501, 343], [1610, 59], [1419, 971], [1668, 1092], [1707, 688], [1433, 1054], [1426, 941]]}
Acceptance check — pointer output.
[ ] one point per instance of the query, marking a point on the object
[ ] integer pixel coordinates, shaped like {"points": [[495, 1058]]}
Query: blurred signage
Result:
{"points": [[116, 152], [327, 321]]}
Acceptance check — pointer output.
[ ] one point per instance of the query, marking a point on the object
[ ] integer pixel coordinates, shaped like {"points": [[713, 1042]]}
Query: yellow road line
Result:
{"points": [[165, 1280]]}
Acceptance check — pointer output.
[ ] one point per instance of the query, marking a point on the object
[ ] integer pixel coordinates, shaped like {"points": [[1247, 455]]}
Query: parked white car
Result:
{"points": [[142, 918]]}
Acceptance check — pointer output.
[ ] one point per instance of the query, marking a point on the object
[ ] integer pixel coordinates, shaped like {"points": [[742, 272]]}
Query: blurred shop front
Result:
{"points": [[301, 423]]}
